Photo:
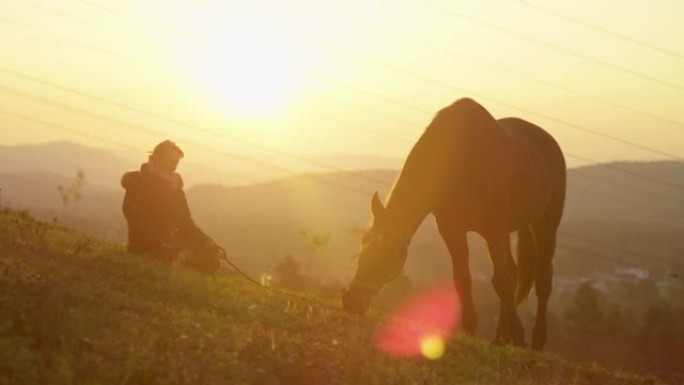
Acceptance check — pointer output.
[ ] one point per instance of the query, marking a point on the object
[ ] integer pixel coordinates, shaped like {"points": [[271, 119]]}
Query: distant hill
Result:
{"points": [[97, 211], [104, 168], [63, 159], [641, 192]]}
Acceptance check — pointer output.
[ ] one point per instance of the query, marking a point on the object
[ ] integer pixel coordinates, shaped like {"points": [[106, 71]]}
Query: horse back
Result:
{"points": [[537, 185]]}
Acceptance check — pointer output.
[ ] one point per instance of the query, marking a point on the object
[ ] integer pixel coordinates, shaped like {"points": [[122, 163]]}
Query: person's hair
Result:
{"points": [[166, 147]]}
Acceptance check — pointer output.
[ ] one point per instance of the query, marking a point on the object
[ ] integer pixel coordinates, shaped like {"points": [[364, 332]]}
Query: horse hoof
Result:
{"points": [[519, 343], [537, 346]]}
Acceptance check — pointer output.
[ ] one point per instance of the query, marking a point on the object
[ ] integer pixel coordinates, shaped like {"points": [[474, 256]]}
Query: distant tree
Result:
{"points": [[71, 194], [287, 270], [660, 328], [288, 274], [614, 324], [583, 324], [314, 242], [585, 316]]}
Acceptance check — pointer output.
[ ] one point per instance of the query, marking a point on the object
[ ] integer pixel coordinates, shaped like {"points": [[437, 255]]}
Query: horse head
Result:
{"points": [[383, 252]]}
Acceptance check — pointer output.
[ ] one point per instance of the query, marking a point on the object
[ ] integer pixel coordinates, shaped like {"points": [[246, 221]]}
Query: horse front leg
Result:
{"points": [[504, 279], [457, 245], [546, 245]]}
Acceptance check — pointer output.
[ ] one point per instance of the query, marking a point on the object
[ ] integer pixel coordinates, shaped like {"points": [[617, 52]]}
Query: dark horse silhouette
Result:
{"points": [[474, 173]]}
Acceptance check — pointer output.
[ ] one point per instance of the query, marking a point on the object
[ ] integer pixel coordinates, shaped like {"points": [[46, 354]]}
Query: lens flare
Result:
{"points": [[420, 326], [432, 347]]}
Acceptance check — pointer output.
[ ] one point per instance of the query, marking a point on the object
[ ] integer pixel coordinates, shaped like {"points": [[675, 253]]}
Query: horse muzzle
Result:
{"points": [[356, 301]]}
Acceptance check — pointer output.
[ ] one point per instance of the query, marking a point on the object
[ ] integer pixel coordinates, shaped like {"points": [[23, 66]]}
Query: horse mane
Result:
{"points": [[444, 123], [418, 159]]}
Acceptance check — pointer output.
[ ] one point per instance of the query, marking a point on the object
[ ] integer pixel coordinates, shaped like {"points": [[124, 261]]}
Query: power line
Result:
{"points": [[498, 101], [630, 187], [631, 204], [155, 133], [443, 50], [73, 18], [177, 122], [461, 56], [629, 172], [97, 26], [142, 21], [600, 29], [93, 47], [617, 248], [105, 140], [381, 134], [67, 89], [185, 124], [556, 47], [142, 111], [359, 107], [337, 50], [196, 164]]}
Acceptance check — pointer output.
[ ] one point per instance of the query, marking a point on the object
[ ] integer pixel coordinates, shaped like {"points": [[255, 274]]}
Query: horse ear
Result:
{"points": [[377, 207]]}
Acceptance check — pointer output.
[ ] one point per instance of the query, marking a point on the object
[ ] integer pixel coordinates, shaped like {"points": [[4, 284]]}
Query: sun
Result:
{"points": [[250, 73]]}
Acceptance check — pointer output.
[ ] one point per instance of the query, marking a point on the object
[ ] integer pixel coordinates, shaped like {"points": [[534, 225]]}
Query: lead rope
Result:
{"points": [[224, 256]]}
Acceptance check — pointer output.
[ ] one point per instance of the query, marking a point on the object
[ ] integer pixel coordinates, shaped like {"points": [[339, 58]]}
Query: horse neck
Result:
{"points": [[413, 194]]}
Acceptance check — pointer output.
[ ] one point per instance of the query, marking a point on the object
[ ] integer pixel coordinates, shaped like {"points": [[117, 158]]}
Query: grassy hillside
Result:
{"points": [[74, 310]]}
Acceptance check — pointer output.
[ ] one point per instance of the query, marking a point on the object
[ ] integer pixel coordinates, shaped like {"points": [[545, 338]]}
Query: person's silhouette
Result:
{"points": [[157, 212]]}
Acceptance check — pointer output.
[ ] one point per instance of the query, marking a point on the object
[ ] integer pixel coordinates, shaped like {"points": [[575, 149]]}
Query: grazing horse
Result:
{"points": [[473, 173]]}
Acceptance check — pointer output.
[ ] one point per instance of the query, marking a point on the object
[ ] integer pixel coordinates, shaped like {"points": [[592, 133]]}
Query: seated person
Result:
{"points": [[158, 217]]}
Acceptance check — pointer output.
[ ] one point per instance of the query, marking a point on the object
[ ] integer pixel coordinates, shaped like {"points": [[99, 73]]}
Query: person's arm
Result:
{"points": [[131, 201], [187, 229]]}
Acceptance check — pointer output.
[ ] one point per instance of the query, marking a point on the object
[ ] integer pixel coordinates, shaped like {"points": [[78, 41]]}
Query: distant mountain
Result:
{"points": [[96, 211], [104, 168], [64, 159]]}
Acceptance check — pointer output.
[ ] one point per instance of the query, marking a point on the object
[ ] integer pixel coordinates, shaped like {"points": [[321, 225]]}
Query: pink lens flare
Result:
{"points": [[431, 314]]}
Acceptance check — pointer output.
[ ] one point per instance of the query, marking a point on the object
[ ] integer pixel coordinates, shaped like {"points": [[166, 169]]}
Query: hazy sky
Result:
{"points": [[259, 78]]}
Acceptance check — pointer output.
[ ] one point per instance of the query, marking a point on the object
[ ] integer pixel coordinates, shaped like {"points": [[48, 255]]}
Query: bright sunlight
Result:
{"points": [[258, 65], [250, 73]]}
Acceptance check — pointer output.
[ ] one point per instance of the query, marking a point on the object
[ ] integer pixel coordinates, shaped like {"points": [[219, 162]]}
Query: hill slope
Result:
{"points": [[78, 310]]}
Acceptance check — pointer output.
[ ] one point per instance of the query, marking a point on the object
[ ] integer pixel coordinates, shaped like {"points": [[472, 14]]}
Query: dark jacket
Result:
{"points": [[155, 207]]}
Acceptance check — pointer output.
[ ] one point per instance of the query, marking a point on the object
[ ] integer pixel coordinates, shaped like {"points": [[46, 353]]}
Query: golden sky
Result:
{"points": [[261, 78]]}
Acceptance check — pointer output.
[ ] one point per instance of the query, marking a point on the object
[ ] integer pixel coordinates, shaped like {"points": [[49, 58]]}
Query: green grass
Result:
{"points": [[74, 310]]}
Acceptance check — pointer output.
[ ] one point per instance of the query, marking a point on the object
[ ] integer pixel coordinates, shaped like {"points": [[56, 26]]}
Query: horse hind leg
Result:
{"points": [[526, 256], [509, 328], [545, 240]]}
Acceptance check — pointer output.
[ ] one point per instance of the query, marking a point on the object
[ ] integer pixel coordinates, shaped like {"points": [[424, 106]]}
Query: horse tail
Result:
{"points": [[527, 255]]}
